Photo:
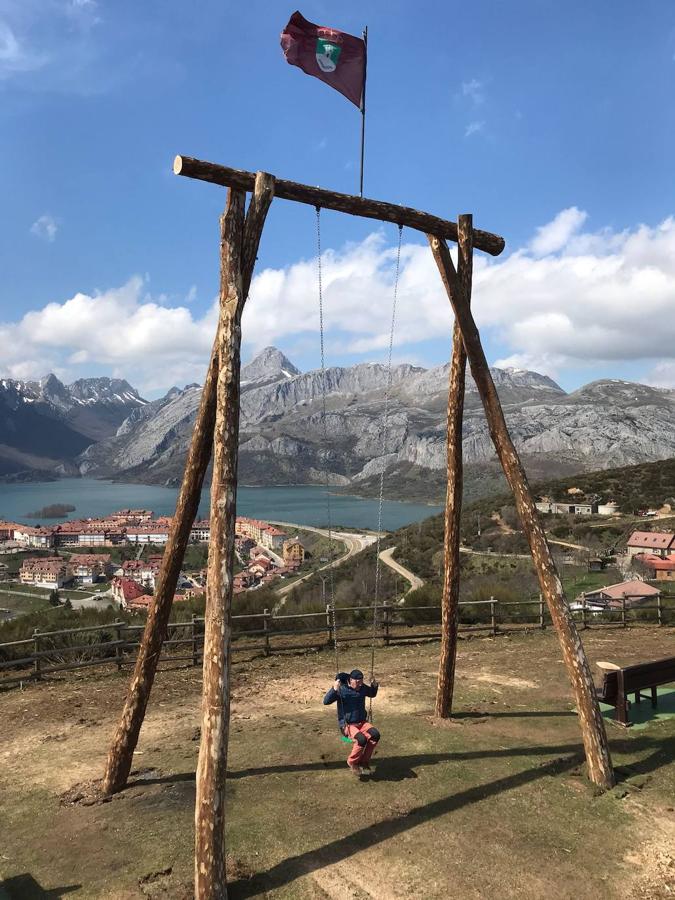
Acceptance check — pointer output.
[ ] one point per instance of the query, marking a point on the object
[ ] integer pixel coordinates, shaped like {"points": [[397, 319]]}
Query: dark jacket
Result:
{"points": [[351, 703]]}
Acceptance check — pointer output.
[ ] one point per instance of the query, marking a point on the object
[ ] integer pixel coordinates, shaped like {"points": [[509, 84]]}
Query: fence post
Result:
{"points": [[266, 626], [583, 613], [385, 622], [623, 611], [493, 617], [659, 613], [118, 649], [37, 662], [195, 649], [542, 624]]}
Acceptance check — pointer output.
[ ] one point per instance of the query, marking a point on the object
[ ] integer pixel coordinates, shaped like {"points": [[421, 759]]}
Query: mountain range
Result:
{"points": [[604, 424]]}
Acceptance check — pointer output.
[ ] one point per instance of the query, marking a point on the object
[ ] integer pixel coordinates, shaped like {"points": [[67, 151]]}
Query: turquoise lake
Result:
{"points": [[302, 504]]}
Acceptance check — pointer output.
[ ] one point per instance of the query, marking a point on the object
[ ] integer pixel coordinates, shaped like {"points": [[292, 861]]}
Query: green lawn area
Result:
{"points": [[23, 604]]}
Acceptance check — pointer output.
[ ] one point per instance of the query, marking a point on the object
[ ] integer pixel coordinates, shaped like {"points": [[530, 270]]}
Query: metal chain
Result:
{"points": [[331, 576], [385, 441]]}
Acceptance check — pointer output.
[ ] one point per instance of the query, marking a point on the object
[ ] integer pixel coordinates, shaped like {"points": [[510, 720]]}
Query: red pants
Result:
{"points": [[361, 752]]}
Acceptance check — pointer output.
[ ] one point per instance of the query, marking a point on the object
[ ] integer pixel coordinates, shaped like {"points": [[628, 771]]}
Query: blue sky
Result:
{"points": [[552, 123]]}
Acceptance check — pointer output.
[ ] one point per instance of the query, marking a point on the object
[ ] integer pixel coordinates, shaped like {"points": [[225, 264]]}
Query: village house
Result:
{"points": [[613, 596], [242, 581], [293, 552], [94, 535], [128, 593], [88, 568], [200, 533], [45, 571], [142, 571], [569, 507], [147, 534], [67, 534], [7, 530], [656, 543], [658, 568], [272, 538], [131, 515], [27, 536], [260, 566]]}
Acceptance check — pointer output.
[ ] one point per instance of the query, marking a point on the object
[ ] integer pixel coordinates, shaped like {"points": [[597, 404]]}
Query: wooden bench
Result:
{"points": [[618, 683]]}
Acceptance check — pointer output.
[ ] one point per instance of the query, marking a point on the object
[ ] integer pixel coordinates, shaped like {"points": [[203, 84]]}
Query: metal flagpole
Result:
{"points": [[363, 108]]}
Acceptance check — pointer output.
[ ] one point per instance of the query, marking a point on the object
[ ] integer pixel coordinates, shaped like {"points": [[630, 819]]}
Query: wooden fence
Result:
{"points": [[50, 652]]}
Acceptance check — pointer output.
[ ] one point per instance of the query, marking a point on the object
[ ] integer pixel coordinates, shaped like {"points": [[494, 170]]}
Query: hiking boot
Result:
{"points": [[366, 770], [356, 770]]}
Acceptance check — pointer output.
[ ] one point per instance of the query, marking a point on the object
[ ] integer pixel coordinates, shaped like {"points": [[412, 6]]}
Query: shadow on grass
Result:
{"points": [[25, 887], [399, 768], [338, 850]]}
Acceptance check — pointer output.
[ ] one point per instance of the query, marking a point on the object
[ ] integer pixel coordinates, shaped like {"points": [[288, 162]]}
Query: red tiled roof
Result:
{"points": [[626, 589], [657, 562], [651, 539]]}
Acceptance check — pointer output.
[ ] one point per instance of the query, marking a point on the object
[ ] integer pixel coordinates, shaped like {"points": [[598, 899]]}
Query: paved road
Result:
{"points": [[415, 581], [354, 542]]}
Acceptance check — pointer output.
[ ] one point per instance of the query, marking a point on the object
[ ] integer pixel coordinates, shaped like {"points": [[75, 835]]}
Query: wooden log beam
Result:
{"points": [[592, 726], [453, 497], [237, 179], [210, 875], [120, 756]]}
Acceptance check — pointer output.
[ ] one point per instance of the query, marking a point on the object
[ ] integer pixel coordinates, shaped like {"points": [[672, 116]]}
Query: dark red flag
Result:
{"points": [[334, 57]]}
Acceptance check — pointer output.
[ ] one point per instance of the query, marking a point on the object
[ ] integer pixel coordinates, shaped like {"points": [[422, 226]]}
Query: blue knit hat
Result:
{"points": [[356, 673]]}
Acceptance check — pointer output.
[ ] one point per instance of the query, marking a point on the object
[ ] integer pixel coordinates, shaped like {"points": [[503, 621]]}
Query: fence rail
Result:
{"points": [[116, 643]]}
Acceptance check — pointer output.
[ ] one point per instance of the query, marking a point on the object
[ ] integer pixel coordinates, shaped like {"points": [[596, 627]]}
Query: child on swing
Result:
{"points": [[350, 693]]}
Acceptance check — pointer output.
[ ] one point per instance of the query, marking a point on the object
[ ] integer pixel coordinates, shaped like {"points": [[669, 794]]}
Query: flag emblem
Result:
{"points": [[327, 55], [334, 57]]}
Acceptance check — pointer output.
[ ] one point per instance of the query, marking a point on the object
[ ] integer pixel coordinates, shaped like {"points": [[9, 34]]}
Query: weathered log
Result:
{"points": [[453, 497], [120, 756], [592, 726], [347, 203], [210, 875]]}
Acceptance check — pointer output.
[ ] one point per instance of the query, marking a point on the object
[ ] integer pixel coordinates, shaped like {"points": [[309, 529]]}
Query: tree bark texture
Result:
{"points": [[347, 203], [453, 498], [120, 756], [210, 875], [592, 726]]}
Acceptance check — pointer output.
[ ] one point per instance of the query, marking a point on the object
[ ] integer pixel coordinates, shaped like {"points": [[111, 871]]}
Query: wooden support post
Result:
{"points": [[210, 875], [623, 611], [385, 622], [195, 644], [579, 672], [659, 612], [119, 652], [542, 623], [121, 752], [493, 616], [453, 497], [37, 661], [266, 627]]}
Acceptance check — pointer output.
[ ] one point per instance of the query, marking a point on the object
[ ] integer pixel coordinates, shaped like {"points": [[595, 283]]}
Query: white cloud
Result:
{"points": [[473, 128], [556, 234], [15, 57], [45, 227], [474, 89], [604, 298], [123, 331]]}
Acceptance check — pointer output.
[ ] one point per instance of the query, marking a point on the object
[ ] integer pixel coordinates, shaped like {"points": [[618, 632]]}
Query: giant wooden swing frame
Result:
{"points": [[217, 427]]}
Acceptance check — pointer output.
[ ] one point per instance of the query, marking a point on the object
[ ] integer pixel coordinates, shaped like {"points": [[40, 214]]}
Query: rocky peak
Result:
{"points": [[114, 391], [269, 365]]}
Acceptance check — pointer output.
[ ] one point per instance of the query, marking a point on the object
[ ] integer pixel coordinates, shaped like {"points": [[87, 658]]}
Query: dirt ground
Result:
{"points": [[492, 804]]}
